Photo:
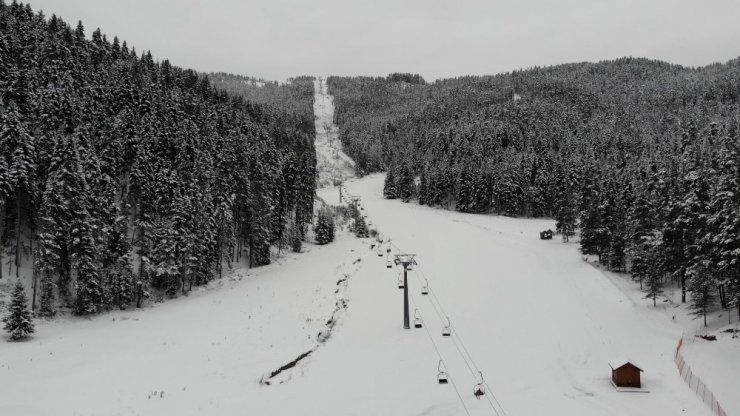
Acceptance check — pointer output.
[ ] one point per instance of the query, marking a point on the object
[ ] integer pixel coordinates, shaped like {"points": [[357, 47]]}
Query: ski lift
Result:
{"points": [[425, 288], [479, 390], [441, 373], [417, 319], [447, 330], [380, 252], [372, 246], [389, 264], [400, 283]]}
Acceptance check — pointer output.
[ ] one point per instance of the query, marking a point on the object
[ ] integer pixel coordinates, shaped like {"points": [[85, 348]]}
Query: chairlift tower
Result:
{"points": [[405, 260]]}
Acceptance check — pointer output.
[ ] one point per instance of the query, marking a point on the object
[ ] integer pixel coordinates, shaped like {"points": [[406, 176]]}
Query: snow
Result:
{"points": [[331, 162], [203, 354], [537, 320], [717, 364]]}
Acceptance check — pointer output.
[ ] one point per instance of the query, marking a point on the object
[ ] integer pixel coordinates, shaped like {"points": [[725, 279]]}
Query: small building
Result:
{"points": [[625, 373], [546, 235]]}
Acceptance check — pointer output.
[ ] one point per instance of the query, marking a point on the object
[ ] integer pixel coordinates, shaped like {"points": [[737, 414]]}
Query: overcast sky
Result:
{"points": [[277, 39]]}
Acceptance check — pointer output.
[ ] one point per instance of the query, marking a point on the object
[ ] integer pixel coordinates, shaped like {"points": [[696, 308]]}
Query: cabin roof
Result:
{"points": [[619, 362]]}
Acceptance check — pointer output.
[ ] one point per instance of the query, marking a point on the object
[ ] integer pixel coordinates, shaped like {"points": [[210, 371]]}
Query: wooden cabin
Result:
{"points": [[625, 373]]}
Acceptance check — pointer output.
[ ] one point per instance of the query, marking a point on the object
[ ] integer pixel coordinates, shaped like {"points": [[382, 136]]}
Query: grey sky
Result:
{"points": [[282, 38]]}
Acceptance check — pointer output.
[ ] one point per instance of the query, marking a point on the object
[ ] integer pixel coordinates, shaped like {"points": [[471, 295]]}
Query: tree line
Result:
{"points": [[641, 155], [123, 178]]}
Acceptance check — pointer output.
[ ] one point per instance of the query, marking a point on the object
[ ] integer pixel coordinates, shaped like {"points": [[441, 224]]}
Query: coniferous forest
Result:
{"points": [[124, 178], [643, 157]]}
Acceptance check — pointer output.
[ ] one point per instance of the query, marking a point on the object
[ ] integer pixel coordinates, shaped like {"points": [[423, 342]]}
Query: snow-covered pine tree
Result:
{"points": [[89, 286], [18, 322], [360, 227], [650, 252], [324, 229], [389, 186], [592, 222], [566, 216], [508, 193], [724, 208], [482, 191], [465, 191], [702, 287], [405, 183]]}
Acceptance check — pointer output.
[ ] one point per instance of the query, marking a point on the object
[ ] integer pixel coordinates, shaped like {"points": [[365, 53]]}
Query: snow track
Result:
{"points": [[332, 164], [341, 304]]}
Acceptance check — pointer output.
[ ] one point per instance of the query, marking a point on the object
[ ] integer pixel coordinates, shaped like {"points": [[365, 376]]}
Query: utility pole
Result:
{"points": [[406, 260]]}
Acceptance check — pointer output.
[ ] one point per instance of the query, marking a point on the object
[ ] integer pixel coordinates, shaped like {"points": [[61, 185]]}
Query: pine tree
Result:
{"points": [[724, 219], [360, 227], [701, 286], [566, 215], [405, 183], [324, 229], [389, 186], [18, 322], [649, 256]]}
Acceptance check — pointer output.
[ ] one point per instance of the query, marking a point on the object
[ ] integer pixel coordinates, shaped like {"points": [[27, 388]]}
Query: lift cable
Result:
{"points": [[440, 311], [456, 334], [439, 355]]}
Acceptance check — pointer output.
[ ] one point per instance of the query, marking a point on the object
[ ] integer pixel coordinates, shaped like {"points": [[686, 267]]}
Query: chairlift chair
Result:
{"points": [[400, 283], [380, 252], [447, 330], [425, 288], [389, 264], [479, 390], [441, 373], [417, 319]]}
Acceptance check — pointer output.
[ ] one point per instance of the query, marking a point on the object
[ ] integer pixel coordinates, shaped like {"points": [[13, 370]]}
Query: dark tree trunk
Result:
{"points": [[33, 275], [2, 228], [17, 234]]}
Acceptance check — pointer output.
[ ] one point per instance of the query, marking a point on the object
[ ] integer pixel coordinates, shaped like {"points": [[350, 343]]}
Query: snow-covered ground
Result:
{"points": [[539, 322], [203, 354]]}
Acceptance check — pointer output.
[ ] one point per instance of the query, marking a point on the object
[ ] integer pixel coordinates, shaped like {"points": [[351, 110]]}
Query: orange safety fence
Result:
{"points": [[695, 383]]}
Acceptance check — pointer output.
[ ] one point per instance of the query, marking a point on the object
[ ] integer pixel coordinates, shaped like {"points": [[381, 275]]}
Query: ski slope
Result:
{"points": [[539, 323], [332, 164]]}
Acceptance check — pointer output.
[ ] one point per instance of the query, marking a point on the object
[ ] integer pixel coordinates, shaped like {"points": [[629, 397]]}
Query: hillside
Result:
{"points": [[125, 180], [642, 156]]}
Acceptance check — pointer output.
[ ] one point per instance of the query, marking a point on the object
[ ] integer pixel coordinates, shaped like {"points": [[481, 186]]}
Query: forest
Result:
{"points": [[641, 156], [124, 179]]}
